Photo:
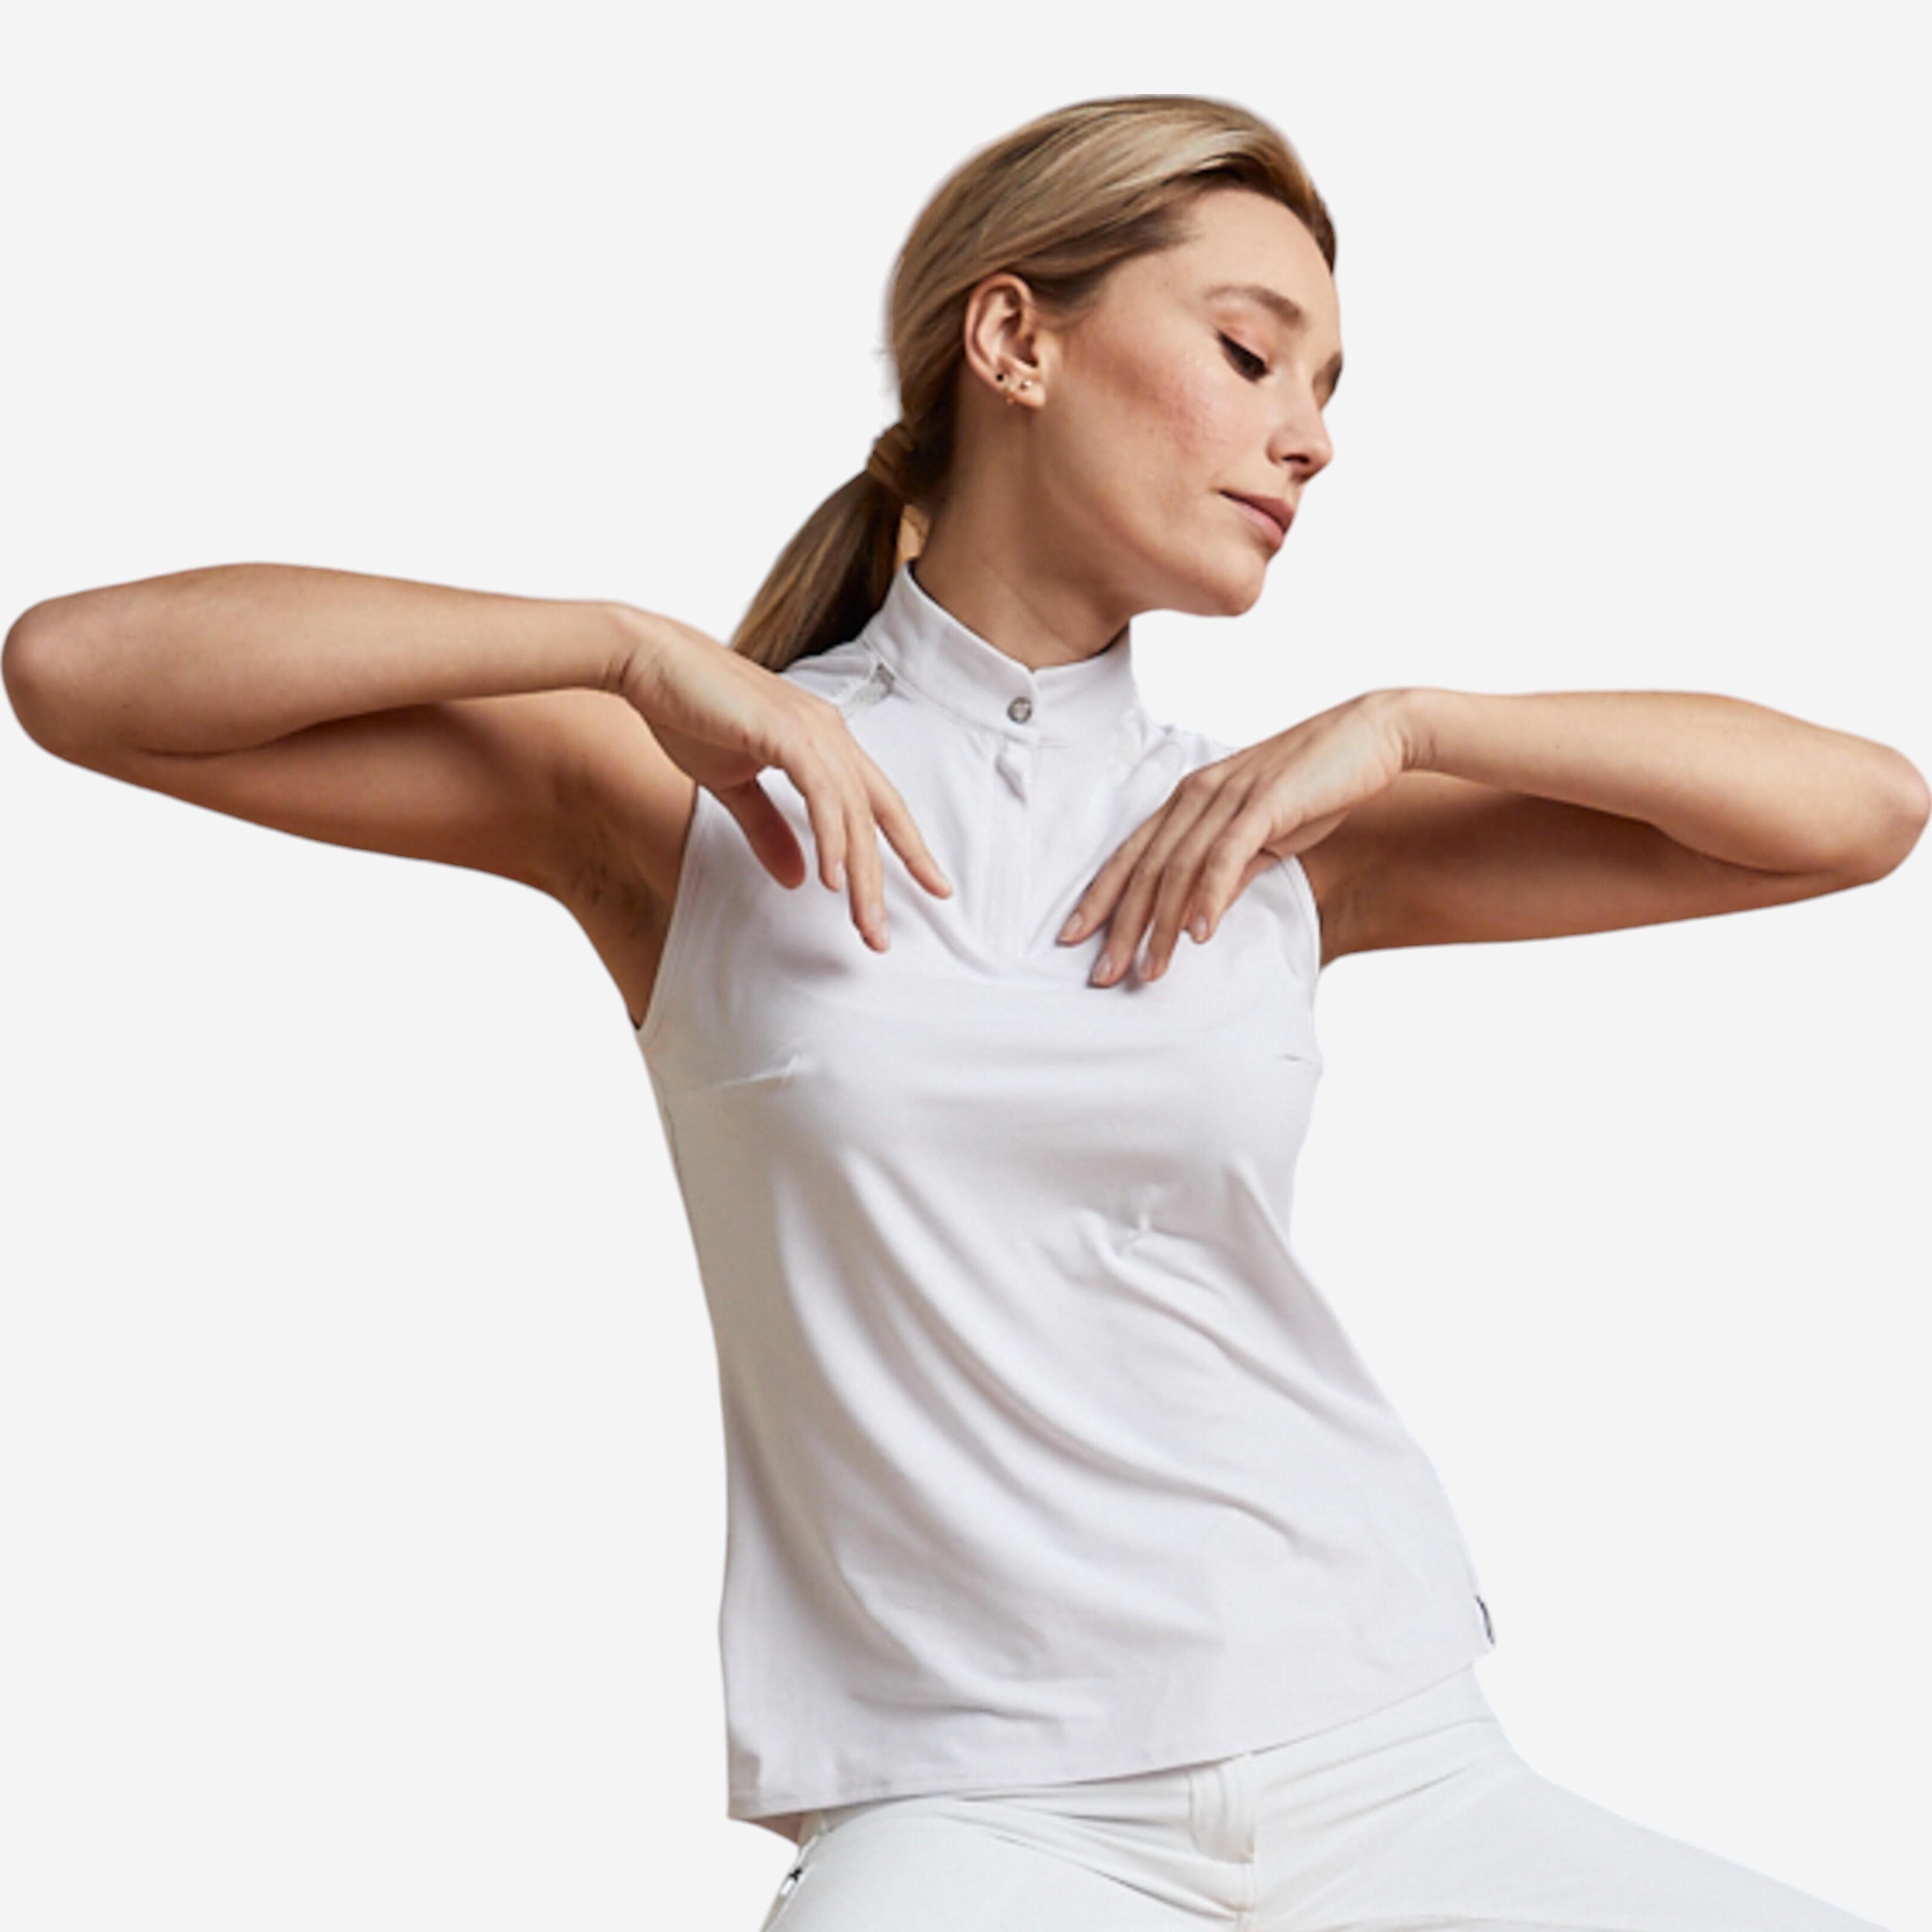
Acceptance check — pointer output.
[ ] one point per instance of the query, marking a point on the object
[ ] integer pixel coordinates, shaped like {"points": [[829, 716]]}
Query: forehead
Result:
{"points": [[1243, 240]]}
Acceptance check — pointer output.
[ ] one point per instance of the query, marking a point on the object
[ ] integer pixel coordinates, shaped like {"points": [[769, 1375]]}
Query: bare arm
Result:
{"points": [[1526, 817], [229, 658], [529, 736], [410, 717], [1432, 817]]}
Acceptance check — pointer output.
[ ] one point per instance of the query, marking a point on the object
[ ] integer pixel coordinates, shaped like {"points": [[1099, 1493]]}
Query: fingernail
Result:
{"points": [[1103, 966], [1071, 926], [837, 878], [1199, 926]]}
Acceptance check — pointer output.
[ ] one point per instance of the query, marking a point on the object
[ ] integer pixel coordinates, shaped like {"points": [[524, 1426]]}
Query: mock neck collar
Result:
{"points": [[920, 641]]}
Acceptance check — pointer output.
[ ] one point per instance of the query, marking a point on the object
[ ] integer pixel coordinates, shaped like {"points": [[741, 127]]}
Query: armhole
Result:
{"points": [[1311, 913], [690, 883]]}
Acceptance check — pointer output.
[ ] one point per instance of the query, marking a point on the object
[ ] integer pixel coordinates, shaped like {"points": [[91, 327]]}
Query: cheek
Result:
{"points": [[1196, 431], [1203, 421], [1154, 443]]}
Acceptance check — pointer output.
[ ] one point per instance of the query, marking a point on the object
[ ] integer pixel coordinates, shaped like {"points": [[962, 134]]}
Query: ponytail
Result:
{"points": [[831, 578]]}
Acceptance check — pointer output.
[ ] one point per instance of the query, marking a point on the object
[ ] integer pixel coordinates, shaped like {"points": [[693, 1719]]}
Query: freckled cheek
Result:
{"points": [[1199, 457], [1199, 433], [1131, 468], [1153, 453]]}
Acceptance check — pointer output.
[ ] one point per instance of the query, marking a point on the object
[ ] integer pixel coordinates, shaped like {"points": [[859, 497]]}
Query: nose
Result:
{"points": [[1300, 438]]}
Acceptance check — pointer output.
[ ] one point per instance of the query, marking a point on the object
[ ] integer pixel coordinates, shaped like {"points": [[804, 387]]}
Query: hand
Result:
{"points": [[1225, 824], [723, 719]]}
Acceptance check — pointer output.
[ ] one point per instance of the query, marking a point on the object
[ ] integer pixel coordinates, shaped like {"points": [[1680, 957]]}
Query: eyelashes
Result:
{"points": [[1250, 364], [1254, 368]]}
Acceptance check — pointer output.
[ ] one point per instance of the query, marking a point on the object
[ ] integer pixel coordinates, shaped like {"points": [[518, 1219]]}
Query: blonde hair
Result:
{"points": [[1060, 202]]}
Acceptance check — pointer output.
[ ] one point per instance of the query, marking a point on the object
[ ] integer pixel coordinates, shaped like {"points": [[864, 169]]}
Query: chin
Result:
{"points": [[1211, 578], [1231, 591]]}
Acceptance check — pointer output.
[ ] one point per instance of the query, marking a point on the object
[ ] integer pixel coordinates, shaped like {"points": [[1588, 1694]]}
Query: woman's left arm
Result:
{"points": [[1427, 817], [1726, 778], [1533, 816]]}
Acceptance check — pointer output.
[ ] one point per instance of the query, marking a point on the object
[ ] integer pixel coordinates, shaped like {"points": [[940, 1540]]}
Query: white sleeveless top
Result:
{"points": [[1046, 1460]]}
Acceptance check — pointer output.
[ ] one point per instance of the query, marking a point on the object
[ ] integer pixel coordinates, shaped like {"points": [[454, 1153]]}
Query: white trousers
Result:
{"points": [[1420, 1818]]}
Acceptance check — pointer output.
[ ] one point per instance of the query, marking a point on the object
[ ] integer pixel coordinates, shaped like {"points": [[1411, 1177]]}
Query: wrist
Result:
{"points": [[1414, 711], [634, 648]]}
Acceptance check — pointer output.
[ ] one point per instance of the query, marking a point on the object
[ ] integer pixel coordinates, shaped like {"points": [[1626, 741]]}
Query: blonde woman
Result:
{"points": [[1080, 1578]]}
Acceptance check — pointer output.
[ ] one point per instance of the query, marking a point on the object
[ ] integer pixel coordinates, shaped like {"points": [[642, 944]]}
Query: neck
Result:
{"points": [[990, 578]]}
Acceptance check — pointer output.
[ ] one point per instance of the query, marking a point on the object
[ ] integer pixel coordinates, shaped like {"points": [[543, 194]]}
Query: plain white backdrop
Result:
{"points": [[361, 1482]]}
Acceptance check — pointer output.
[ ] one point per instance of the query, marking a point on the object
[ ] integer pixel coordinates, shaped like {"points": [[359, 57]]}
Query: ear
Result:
{"points": [[1003, 335]]}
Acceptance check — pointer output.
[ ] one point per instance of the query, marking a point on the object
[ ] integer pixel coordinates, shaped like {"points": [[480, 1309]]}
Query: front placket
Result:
{"points": [[1013, 861]]}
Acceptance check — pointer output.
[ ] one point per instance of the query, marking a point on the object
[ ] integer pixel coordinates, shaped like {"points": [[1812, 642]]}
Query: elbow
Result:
{"points": [[38, 665], [27, 668], [1918, 796], [1908, 810]]}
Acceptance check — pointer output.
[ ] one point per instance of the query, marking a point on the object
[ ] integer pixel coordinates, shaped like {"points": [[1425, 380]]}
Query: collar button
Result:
{"points": [[1020, 710]]}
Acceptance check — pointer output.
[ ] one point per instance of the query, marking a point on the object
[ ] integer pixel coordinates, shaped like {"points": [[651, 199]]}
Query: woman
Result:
{"points": [[1079, 1575]]}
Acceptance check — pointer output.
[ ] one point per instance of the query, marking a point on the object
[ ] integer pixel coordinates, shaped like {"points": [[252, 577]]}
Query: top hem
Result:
{"points": [[742, 1807]]}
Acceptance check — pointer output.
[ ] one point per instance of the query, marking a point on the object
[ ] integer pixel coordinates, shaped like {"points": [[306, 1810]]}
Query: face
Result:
{"points": [[1187, 388]]}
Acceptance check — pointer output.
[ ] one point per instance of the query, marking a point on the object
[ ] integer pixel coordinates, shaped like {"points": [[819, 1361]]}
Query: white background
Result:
{"points": [[360, 1468]]}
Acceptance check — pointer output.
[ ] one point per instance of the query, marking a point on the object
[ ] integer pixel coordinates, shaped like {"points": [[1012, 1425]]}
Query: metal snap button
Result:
{"points": [[1020, 710]]}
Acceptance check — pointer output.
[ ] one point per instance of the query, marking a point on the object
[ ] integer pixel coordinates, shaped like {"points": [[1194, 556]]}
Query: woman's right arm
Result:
{"points": [[522, 736], [414, 719]]}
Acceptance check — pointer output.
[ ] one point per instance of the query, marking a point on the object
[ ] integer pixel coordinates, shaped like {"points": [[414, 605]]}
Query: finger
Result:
{"points": [[1213, 897], [1103, 892], [1174, 894], [895, 820], [1214, 835], [809, 769], [1128, 918], [767, 831], [1127, 924], [869, 903], [1227, 863]]}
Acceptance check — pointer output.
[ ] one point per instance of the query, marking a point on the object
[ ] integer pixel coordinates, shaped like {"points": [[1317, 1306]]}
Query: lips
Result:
{"points": [[1276, 511]]}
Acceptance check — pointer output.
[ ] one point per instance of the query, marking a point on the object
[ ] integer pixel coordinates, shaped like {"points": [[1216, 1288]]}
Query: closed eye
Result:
{"points": [[1250, 364]]}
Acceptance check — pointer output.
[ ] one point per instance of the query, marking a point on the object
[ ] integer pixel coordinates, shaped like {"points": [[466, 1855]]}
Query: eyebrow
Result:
{"points": [[1288, 311]]}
